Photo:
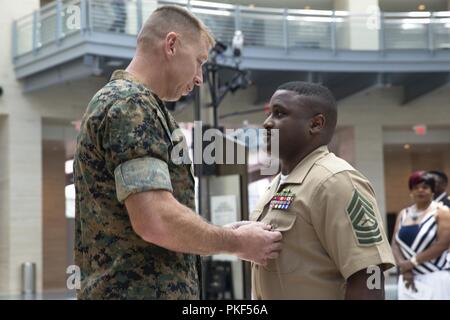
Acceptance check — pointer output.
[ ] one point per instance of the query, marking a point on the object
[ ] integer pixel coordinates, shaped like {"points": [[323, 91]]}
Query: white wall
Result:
{"points": [[4, 204], [21, 208]]}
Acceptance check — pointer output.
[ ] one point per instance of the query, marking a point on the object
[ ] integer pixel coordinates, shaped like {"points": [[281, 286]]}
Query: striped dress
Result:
{"points": [[414, 239]]}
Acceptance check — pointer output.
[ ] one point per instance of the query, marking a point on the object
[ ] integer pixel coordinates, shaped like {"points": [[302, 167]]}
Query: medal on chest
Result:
{"points": [[282, 200]]}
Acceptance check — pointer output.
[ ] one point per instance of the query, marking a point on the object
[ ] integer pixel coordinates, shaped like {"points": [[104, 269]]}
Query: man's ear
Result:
{"points": [[169, 44], [317, 124]]}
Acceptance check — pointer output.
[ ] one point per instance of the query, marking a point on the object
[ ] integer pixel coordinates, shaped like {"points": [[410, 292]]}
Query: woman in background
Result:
{"points": [[420, 242]]}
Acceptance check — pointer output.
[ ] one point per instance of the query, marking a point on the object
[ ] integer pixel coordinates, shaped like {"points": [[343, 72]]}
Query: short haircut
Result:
{"points": [[440, 174], [418, 177], [172, 18], [322, 101]]}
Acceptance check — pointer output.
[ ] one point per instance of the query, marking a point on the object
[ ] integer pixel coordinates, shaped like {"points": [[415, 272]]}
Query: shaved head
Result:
{"points": [[168, 19], [319, 99]]}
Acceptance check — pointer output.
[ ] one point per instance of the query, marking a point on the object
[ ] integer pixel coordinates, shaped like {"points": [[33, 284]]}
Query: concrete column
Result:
{"points": [[20, 166], [369, 159], [358, 32], [21, 198], [4, 206]]}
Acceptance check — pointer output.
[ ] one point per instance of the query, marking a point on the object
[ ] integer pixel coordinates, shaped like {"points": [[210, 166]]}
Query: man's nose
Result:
{"points": [[268, 123]]}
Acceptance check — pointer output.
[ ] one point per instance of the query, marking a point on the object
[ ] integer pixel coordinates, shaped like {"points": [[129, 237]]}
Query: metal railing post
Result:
{"points": [[84, 15], [237, 18], [14, 40], [382, 39], [333, 32], [36, 33], [139, 13], [285, 30], [88, 9], [59, 21], [430, 36]]}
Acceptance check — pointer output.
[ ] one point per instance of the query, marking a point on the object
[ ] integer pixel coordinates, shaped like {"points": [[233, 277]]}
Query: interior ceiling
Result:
{"points": [[418, 147], [412, 5], [345, 84]]}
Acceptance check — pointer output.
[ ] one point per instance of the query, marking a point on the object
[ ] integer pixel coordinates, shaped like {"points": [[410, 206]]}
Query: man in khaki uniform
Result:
{"points": [[325, 209]]}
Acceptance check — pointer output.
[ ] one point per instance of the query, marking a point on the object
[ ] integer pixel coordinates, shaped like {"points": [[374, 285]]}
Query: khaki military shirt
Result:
{"points": [[331, 229], [124, 147]]}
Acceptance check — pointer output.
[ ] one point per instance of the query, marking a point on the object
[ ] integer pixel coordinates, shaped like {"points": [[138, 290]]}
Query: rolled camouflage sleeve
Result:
{"points": [[142, 174], [137, 147]]}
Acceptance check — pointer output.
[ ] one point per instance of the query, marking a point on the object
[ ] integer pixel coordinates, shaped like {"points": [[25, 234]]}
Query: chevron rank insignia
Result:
{"points": [[282, 200], [363, 220]]}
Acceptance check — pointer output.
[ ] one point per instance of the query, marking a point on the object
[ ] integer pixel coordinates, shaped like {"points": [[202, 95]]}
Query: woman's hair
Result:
{"points": [[421, 176]]}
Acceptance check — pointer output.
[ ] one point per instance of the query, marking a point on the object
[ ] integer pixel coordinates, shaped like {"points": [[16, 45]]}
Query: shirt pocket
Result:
{"points": [[288, 259]]}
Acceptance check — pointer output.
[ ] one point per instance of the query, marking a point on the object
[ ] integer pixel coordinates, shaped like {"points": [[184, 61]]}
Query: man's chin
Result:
{"points": [[171, 99]]}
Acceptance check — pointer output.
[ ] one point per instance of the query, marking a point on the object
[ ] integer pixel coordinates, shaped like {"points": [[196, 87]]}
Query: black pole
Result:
{"points": [[198, 117], [215, 102]]}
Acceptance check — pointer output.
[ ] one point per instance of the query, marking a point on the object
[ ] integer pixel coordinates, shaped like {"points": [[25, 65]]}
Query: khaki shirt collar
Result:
{"points": [[298, 175]]}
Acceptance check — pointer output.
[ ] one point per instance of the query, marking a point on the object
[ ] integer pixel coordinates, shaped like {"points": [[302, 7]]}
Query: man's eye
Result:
{"points": [[278, 113]]}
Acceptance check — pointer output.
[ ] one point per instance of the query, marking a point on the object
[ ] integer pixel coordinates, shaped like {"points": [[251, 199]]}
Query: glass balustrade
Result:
{"points": [[262, 27]]}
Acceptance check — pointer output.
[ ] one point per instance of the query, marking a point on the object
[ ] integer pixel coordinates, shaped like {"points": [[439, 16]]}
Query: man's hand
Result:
{"points": [[258, 243]]}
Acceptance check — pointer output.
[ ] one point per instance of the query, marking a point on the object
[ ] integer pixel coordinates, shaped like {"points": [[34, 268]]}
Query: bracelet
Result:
{"points": [[413, 260]]}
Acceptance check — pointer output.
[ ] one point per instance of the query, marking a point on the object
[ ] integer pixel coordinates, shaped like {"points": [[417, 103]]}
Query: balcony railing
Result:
{"points": [[262, 27]]}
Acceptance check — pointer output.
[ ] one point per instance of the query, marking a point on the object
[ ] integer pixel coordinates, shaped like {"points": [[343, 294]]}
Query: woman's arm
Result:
{"points": [[394, 245], [441, 244]]}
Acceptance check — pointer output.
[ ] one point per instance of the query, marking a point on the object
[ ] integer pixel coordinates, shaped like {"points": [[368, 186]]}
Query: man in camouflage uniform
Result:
{"points": [[137, 236]]}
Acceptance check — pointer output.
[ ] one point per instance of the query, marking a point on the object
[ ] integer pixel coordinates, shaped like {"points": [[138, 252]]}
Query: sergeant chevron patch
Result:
{"points": [[364, 221]]}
